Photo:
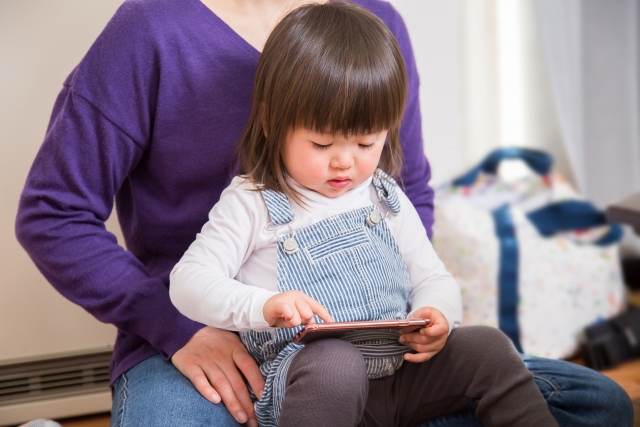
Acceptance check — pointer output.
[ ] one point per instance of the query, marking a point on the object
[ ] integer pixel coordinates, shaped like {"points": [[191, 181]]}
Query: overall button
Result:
{"points": [[290, 246], [373, 218]]}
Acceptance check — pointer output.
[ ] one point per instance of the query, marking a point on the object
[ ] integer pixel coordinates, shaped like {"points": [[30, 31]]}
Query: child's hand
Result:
{"points": [[426, 341], [292, 308]]}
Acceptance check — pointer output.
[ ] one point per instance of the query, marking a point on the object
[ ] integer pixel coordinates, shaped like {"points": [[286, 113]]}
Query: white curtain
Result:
{"points": [[580, 94], [457, 50], [591, 52]]}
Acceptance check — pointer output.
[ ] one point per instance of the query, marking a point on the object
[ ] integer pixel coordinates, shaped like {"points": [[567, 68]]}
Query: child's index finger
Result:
{"points": [[319, 310]]}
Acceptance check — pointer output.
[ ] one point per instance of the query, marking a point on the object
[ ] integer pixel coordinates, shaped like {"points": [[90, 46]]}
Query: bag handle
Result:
{"points": [[573, 215], [540, 162]]}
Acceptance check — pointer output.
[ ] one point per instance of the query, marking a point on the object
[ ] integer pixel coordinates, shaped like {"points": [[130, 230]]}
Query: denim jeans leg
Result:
{"points": [[577, 397], [154, 393]]}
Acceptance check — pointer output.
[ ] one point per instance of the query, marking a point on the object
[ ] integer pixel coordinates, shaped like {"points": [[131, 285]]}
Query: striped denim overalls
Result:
{"points": [[352, 266]]}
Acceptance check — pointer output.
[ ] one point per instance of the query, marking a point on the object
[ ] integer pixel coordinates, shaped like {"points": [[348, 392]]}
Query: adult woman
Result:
{"points": [[150, 116]]}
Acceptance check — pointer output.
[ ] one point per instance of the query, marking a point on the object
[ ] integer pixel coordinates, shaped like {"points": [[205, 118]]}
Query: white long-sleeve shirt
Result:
{"points": [[230, 270]]}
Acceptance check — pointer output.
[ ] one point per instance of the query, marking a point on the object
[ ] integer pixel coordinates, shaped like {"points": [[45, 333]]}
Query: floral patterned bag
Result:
{"points": [[532, 257]]}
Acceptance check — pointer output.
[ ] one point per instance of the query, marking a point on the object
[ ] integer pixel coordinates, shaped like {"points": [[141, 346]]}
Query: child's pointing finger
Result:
{"points": [[319, 310]]}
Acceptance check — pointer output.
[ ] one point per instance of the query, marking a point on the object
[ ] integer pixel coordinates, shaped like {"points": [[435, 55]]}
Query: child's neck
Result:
{"points": [[253, 20]]}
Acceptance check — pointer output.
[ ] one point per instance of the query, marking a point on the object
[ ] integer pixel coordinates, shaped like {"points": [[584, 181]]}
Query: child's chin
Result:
{"points": [[333, 192]]}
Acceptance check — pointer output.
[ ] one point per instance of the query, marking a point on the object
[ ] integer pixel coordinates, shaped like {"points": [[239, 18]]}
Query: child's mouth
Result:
{"points": [[339, 183]]}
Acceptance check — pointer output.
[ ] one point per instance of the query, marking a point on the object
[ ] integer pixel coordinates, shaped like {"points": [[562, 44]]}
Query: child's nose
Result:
{"points": [[343, 160]]}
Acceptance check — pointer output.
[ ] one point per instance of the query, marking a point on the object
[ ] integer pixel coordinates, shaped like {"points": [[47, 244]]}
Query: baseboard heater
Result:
{"points": [[54, 387]]}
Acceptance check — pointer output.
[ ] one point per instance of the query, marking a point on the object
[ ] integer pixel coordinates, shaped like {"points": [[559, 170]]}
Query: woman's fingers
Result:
{"points": [[209, 360], [240, 359], [224, 385], [213, 384], [201, 383], [249, 369]]}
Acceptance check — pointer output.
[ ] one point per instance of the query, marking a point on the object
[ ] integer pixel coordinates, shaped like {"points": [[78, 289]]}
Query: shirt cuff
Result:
{"points": [[257, 320]]}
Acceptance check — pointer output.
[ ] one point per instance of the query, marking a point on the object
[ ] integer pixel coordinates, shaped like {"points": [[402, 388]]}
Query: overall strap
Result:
{"points": [[278, 207], [386, 187]]}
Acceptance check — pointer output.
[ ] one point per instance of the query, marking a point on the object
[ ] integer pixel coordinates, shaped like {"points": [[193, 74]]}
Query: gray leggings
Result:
{"points": [[327, 385]]}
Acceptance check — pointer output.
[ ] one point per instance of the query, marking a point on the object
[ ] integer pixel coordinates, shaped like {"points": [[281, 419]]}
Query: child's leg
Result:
{"points": [[477, 364], [326, 386]]}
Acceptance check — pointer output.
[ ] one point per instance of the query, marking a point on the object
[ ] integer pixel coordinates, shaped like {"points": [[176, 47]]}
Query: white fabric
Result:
{"points": [[564, 282], [230, 270], [591, 52], [41, 423]]}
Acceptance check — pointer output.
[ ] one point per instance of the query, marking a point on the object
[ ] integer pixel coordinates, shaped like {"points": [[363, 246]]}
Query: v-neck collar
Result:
{"points": [[229, 32]]}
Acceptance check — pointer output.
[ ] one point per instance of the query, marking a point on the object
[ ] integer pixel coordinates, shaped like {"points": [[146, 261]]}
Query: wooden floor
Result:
{"points": [[627, 375], [101, 420]]}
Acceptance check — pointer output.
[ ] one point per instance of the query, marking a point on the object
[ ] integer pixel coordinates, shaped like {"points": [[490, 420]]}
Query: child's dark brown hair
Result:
{"points": [[330, 68]]}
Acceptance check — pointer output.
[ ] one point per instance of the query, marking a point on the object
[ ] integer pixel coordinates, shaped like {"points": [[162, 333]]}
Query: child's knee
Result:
{"points": [[486, 342], [326, 379], [329, 364]]}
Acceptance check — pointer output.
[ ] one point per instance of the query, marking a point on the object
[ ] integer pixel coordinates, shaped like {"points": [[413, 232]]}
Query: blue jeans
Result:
{"points": [[154, 393]]}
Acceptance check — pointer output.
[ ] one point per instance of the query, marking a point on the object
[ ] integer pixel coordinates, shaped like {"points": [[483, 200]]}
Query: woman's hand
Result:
{"points": [[293, 308], [426, 341], [215, 361]]}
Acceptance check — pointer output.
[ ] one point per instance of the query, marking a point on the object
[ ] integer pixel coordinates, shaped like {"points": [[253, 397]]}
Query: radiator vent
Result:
{"points": [[55, 377]]}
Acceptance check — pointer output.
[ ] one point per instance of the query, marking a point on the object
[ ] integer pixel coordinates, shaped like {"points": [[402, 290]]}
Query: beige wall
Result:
{"points": [[40, 43], [436, 36]]}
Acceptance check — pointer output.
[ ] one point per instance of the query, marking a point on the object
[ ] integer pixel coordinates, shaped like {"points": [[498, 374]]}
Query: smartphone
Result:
{"points": [[316, 331]]}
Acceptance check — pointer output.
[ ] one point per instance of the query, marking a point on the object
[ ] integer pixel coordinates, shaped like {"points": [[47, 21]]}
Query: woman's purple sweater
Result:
{"points": [[150, 117]]}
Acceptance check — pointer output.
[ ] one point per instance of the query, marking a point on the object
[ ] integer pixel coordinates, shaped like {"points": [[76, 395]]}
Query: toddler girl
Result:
{"points": [[316, 226]]}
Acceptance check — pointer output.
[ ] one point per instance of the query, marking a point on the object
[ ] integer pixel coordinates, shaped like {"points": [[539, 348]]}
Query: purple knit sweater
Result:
{"points": [[150, 117]]}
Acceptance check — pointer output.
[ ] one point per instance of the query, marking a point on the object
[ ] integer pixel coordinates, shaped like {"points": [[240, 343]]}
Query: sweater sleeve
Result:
{"points": [[202, 283], [416, 171], [84, 160]]}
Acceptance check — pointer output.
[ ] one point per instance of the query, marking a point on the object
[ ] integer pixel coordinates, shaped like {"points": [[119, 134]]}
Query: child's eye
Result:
{"points": [[367, 146], [320, 146]]}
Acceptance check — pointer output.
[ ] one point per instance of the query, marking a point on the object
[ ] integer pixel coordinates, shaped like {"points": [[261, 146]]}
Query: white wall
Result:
{"points": [[434, 28], [40, 43]]}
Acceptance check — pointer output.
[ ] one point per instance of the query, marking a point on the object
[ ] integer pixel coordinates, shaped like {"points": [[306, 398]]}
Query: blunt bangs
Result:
{"points": [[342, 73]]}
